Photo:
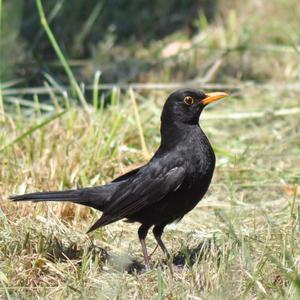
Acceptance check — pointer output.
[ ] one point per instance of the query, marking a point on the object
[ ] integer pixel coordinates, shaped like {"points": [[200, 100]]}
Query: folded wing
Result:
{"points": [[149, 185]]}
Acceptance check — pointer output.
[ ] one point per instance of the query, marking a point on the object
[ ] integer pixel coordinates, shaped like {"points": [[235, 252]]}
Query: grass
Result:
{"points": [[249, 222], [59, 53]]}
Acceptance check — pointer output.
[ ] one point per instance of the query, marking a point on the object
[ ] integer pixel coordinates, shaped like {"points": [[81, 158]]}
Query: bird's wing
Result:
{"points": [[127, 175], [149, 185]]}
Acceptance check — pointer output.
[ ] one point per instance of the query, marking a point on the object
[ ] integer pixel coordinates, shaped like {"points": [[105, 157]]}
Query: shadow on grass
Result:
{"points": [[56, 251], [185, 258]]}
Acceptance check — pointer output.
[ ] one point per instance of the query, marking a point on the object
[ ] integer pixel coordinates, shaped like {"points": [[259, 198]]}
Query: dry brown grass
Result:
{"points": [[250, 217]]}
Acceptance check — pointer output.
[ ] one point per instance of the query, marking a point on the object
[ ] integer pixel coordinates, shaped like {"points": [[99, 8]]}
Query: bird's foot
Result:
{"points": [[147, 267]]}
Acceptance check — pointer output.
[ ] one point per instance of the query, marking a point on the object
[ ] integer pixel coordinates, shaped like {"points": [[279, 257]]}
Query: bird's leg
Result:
{"points": [[142, 232], [158, 231]]}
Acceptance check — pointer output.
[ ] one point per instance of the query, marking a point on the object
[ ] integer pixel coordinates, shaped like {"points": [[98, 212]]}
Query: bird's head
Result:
{"points": [[186, 105]]}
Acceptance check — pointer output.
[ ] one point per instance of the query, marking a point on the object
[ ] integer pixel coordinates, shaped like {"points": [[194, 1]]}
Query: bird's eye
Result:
{"points": [[188, 100]]}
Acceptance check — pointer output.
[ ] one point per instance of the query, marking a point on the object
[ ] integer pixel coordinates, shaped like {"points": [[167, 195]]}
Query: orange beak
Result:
{"points": [[212, 97]]}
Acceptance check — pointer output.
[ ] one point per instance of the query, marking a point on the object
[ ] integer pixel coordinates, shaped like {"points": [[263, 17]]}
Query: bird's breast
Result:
{"points": [[200, 167], [199, 155]]}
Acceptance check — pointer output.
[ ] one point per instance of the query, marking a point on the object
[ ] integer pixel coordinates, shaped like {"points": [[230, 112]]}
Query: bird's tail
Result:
{"points": [[70, 195], [82, 196], [96, 197]]}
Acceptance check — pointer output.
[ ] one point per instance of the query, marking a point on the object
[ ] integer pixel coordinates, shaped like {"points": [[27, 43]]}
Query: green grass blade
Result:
{"points": [[60, 54], [33, 129], [139, 125], [96, 89]]}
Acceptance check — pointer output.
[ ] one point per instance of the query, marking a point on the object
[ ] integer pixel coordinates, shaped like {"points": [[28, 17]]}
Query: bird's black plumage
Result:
{"points": [[168, 186]]}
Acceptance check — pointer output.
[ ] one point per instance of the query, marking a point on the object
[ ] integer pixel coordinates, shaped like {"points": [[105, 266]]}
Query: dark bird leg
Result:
{"points": [[158, 231], [142, 232]]}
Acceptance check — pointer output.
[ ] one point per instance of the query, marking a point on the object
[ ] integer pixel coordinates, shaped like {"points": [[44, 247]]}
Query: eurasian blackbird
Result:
{"points": [[168, 186]]}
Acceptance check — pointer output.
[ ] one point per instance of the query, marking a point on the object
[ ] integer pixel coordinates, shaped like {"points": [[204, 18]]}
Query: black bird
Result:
{"points": [[168, 186]]}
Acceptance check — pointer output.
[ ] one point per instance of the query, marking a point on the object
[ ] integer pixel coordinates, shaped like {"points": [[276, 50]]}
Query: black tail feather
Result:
{"points": [[69, 195], [96, 197]]}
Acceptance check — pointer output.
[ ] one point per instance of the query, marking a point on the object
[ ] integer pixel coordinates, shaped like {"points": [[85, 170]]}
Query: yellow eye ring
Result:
{"points": [[188, 100]]}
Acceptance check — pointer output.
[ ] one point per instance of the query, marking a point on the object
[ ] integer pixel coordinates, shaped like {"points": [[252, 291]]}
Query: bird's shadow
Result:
{"points": [[57, 251], [187, 257]]}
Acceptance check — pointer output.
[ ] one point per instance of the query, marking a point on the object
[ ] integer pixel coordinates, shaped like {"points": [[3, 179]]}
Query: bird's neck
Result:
{"points": [[173, 133]]}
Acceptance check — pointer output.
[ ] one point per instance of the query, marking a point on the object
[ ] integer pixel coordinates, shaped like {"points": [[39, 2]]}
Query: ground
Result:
{"points": [[245, 232]]}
